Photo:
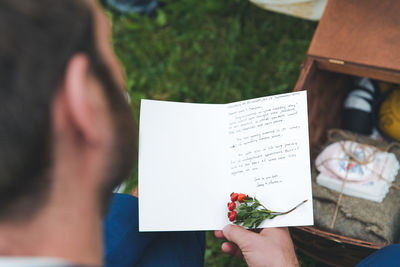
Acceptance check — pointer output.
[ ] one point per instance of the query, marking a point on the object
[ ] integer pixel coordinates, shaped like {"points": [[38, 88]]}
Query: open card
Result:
{"points": [[193, 156]]}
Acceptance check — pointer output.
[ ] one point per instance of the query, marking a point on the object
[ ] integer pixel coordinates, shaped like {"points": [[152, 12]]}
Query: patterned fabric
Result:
{"points": [[358, 170]]}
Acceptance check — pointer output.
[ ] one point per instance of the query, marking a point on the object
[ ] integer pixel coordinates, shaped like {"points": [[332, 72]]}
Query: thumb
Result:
{"points": [[239, 235]]}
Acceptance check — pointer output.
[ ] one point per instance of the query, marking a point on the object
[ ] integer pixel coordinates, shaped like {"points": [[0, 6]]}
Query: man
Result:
{"points": [[66, 133], [67, 139]]}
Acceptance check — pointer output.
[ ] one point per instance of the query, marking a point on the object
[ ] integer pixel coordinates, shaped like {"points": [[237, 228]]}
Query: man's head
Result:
{"points": [[60, 95]]}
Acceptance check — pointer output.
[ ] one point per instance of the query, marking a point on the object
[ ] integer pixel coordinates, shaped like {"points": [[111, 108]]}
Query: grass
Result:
{"points": [[210, 51]]}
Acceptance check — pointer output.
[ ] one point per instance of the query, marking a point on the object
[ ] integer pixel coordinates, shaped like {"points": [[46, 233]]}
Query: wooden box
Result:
{"points": [[354, 38]]}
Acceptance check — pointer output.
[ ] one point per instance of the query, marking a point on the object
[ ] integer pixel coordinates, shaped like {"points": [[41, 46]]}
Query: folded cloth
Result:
{"points": [[374, 190], [368, 175], [358, 218]]}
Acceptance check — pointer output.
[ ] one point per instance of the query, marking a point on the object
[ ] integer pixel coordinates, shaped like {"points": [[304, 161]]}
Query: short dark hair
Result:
{"points": [[37, 39]]}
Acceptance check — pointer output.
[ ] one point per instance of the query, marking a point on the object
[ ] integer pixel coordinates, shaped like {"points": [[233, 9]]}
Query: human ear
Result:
{"points": [[81, 101]]}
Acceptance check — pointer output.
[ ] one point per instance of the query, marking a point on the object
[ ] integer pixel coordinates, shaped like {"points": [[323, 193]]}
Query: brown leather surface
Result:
{"points": [[363, 32]]}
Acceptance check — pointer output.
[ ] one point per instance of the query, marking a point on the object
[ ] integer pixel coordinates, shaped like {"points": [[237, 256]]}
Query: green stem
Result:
{"points": [[286, 212], [264, 207]]}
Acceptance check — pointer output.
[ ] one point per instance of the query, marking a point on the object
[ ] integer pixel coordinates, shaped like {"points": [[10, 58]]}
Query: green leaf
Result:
{"points": [[258, 223], [241, 215], [247, 224]]}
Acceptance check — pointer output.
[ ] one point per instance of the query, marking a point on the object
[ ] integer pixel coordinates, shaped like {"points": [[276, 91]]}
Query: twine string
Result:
{"points": [[339, 200]]}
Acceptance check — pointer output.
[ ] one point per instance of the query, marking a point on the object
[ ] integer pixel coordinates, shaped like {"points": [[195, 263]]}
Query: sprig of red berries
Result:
{"points": [[250, 213]]}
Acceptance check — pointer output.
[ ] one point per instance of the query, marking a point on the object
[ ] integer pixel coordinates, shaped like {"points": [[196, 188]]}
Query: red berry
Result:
{"points": [[234, 196], [241, 197], [231, 206], [232, 216]]}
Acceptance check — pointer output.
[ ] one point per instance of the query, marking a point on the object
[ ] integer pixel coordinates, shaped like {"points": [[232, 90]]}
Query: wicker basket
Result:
{"points": [[326, 92], [332, 249], [351, 39]]}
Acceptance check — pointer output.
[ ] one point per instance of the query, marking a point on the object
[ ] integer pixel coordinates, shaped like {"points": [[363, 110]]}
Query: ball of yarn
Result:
{"points": [[389, 115]]}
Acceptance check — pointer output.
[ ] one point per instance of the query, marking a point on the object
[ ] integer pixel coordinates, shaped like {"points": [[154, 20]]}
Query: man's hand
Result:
{"points": [[269, 247]]}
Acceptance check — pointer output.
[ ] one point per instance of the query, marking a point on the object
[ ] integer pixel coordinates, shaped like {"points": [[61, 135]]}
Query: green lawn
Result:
{"points": [[210, 51]]}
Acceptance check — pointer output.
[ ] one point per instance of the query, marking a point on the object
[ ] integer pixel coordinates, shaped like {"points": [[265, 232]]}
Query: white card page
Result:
{"points": [[192, 156]]}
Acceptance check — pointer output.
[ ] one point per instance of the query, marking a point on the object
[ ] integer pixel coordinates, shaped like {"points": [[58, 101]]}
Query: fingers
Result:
{"points": [[219, 234], [269, 247], [231, 249], [238, 235], [135, 192]]}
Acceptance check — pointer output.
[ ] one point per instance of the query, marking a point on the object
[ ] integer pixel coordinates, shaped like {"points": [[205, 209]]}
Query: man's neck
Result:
{"points": [[69, 226], [67, 229]]}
